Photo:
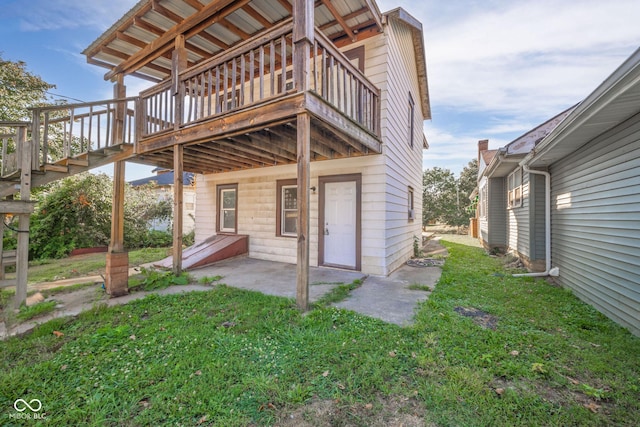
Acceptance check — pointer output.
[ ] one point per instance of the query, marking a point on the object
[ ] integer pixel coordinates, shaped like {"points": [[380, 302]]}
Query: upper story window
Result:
{"points": [[411, 120], [514, 182]]}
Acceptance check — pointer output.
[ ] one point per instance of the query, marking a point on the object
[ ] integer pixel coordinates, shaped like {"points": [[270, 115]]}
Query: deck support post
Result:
{"points": [[303, 38], [22, 252], [178, 153], [117, 268], [302, 272]]}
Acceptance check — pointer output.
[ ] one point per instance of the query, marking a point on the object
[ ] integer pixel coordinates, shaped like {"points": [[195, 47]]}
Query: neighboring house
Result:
{"points": [[592, 161], [511, 201], [365, 210], [162, 184]]}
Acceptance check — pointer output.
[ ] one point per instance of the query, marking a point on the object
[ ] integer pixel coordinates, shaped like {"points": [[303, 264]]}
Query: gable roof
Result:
{"points": [[417, 36], [507, 158], [163, 179], [614, 101]]}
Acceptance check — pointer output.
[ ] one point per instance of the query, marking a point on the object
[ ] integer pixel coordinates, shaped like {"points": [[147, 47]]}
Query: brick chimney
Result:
{"points": [[483, 145]]}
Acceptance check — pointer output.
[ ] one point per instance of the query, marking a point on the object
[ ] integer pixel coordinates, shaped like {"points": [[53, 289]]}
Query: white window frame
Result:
{"points": [[514, 186], [284, 210], [410, 205], [484, 196], [411, 120], [222, 210]]}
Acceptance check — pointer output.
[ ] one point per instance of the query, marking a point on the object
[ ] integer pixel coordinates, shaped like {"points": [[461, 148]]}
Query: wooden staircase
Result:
{"points": [[66, 140], [58, 142]]}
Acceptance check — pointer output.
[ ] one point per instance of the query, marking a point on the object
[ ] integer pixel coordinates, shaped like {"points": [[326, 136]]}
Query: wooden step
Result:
{"points": [[49, 167], [78, 162]]}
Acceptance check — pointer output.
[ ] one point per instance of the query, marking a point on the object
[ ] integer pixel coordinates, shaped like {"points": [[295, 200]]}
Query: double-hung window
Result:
{"points": [[287, 205], [227, 208], [514, 182]]}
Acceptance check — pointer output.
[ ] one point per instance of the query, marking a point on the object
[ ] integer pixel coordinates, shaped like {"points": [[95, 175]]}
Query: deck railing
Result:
{"points": [[11, 134], [343, 85], [71, 130], [255, 72]]}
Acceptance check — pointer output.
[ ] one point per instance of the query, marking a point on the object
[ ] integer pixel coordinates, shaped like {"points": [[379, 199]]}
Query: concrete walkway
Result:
{"points": [[392, 299]]}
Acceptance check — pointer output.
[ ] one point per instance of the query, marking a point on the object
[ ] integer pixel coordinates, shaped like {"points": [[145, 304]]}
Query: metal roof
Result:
{"points": [[211, 26]]}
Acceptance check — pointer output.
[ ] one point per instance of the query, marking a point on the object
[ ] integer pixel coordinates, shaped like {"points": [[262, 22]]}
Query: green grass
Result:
{"points": [[338, 293], [35, 310], [47, 270], [231, 357]]}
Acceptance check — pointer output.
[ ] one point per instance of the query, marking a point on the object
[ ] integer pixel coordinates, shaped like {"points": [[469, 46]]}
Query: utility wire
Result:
{"points": [[63, 96]]}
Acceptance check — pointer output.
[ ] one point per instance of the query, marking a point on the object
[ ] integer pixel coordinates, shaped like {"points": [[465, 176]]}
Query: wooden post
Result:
{"points": [[178, 65], [303, 37], [22, 253], [178, 152], [117, 268], [304, 153], [3, 217]]}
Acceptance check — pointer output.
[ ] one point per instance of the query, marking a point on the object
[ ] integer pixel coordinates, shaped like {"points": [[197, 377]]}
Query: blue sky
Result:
{"points": [[496, 68]]}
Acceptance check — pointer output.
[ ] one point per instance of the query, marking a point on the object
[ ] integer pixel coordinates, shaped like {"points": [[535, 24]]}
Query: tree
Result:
{"points": [[446, 199], [438, 185], [76, 213], [20, 90]]}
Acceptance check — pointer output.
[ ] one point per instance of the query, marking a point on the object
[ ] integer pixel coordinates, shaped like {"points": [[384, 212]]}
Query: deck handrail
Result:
{"points": [[254, 72], [65, 131]]}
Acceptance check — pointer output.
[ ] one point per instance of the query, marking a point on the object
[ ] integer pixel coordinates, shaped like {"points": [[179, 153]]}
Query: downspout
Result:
{"points": [[547, 227]]}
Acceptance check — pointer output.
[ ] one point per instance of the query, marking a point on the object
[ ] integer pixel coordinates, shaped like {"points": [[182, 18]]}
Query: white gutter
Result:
{"points": [[547, 227]]}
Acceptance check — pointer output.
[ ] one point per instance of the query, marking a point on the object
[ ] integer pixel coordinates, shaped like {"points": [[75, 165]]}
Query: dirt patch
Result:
{"points": [[425, 262], [561, 396], [479, 317], [391, 411]]}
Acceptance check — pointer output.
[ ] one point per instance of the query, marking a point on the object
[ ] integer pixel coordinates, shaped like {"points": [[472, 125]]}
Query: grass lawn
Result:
{"points": [[230, 357], [47, 270]]}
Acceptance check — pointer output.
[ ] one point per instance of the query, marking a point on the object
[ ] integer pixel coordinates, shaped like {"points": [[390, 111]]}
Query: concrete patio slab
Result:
{"points": [[389, 298], [275, 278]]}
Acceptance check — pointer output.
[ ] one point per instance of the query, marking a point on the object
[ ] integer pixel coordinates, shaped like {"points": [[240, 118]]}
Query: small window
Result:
{"points": [[287, 205], [410, 204], [483, 201], [411, 120], [227, 219], [515, 188]]}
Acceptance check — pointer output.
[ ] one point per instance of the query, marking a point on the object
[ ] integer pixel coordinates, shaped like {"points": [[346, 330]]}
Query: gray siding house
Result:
{"points": [[591, 159]]}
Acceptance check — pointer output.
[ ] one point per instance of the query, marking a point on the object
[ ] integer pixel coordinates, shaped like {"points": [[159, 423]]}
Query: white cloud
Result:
{"points": [[69, 14]]}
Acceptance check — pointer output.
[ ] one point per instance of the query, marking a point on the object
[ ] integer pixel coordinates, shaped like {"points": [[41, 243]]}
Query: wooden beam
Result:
{"points": [[287, 6], [270, 113], [22, 253], [234, 29], [257, 16], [339, 18], [303, 176], [209, 14], [17, 207], [178, 152]]}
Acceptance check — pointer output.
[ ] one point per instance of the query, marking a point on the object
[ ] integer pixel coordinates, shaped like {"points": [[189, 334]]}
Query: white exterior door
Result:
{"points": [[339, 230]]}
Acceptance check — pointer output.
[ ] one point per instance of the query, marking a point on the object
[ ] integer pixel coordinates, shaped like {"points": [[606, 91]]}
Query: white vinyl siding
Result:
{"points": [[518, 217], [403, 162], [596, 222], [257, 200], [387, 235]]}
